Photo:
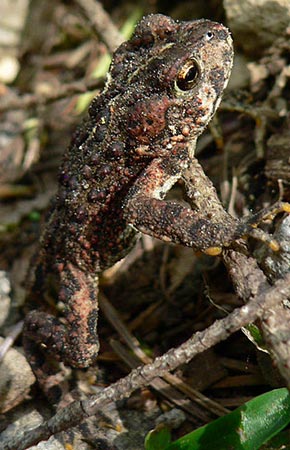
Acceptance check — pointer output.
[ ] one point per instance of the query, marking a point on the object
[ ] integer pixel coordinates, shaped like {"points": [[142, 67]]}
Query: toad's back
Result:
{"points": [[163, 87]]}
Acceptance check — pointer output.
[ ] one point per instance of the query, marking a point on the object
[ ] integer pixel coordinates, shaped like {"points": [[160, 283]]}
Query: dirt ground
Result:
{"points": [[160, 295]]}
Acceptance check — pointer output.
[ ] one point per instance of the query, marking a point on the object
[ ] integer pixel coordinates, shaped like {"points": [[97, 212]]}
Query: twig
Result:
{"points": [[139, 356], [195, 407], [142, 376], [113, 317], [276, 334], [245, 273], [9, 103], [10, 339], [102, 23], [255, 112]]}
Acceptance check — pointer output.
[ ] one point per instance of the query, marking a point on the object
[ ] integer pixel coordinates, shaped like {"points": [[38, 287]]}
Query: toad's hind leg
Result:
{"points": [[73, 340]]}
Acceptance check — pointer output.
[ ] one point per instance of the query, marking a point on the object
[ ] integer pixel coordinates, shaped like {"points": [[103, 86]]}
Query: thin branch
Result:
{"points": [[102, 23], [142, 376], [245, 273], [26, 101], [14, 333], [196, 406], [138, 357]]}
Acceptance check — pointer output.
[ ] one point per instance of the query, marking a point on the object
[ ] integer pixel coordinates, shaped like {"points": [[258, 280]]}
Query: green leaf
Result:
{"points": [[253, 333], [246, 428], [158, 439], [34, 216]]}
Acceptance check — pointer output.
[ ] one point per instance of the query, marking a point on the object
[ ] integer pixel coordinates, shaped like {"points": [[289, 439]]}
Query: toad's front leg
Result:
{"points": [[171, 221], [207, 227], [73, 339]]}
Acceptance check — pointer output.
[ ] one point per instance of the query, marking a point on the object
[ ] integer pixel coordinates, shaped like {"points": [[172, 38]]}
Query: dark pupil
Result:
{"points": [[191, 74], [187, 77]]}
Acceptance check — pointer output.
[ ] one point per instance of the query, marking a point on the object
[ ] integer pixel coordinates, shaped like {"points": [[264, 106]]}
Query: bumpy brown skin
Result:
{"points": [[163, 87]]}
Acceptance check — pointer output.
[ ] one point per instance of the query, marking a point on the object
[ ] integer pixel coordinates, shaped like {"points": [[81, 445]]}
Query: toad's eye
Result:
{"points": [[209, 35], [187, 76]]}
